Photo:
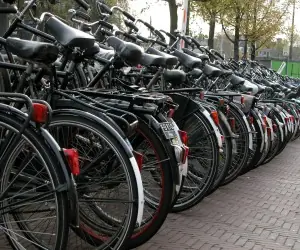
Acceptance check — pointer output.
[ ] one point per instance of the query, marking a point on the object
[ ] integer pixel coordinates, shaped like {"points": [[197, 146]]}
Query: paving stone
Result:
{"points": [[259, 210]]}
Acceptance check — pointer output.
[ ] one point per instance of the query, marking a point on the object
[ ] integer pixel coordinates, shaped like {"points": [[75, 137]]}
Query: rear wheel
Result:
{"points": [[225, 158], [202, 162], [240, 159], [35, 213], [159, 187], [106, 185]]}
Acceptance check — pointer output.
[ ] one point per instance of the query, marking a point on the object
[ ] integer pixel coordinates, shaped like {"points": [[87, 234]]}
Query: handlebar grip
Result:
{"points": [[161, 43], [83, 4], [217, 53], [144, 39], [160, 35], [9, 1], [150, 27], [106, 32], [106, 25], [83, 15], [129, 16], [105, 8], [132, 37], [8, 10], [170, 35], [131, 25], [186, 40]]}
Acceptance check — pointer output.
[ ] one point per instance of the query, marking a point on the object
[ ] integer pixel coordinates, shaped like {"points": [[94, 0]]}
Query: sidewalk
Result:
{"points": [[259, 210]]}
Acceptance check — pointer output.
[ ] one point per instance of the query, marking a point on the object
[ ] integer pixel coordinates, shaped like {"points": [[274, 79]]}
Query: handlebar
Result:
{"points": [[82, 15], [129, 16], [8, 10], [105, 8], [83, 4], [169, 34], [160, 35]]}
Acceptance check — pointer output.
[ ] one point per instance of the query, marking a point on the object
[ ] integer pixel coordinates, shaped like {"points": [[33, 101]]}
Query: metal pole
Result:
{"points": [[292, 32], [185, 6]]}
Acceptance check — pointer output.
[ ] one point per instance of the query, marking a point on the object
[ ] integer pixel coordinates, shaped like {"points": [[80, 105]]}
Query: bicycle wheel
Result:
{"points": [[34, 211], [258, 141], [202, 164], [159, 187], [239, 160], [225, 158], [106, 185], [276, 142]]}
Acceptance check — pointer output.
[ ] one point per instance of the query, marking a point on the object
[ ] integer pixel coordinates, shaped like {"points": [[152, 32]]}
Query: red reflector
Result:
{"points": [[40, 112], [221, 102], [274, 127], [286, 119], [269, 131], [251, 120], [171, 113], [222, 138], [265, 123], [139, 159], [201, 95], [232, 123], [227, 109], [215, 117], [292, 118], [73, 160], [242, 99], [185, 154], [184, 137]]}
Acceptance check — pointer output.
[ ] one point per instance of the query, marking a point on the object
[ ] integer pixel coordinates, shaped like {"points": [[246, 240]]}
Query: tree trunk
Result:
{"points": [[245, 56], [253, 51], [236, 43], [3, 20], [212, 27], [173, 15]]}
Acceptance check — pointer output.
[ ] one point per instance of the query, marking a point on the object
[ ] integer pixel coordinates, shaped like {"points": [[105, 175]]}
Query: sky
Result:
{"points": [[158, 13]]}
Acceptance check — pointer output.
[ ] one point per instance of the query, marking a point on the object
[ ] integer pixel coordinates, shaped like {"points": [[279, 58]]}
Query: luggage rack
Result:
{"points": [[134, 98], [126, 120]]}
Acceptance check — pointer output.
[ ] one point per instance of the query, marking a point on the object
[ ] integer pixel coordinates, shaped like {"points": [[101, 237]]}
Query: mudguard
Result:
{"points": [[257, 117], [235, 107], [187, 106]]}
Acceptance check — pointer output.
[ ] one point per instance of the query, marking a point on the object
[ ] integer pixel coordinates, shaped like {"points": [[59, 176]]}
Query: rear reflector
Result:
{"points": [[251, 120], [215, 117], [185, 154], [232, 123], [171, 113], [40, 112], [73, 160], [184, 137], [242, 99], [275, 128], [139, 159]]}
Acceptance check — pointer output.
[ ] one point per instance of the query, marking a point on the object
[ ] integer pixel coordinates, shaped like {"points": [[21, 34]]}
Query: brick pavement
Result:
{"points": [[259, 210]]}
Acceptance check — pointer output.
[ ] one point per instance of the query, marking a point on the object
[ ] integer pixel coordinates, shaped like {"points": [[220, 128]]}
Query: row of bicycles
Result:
{"points": [[106, 131]]}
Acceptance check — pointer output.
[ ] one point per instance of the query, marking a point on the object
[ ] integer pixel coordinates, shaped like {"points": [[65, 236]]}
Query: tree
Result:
{"points": [[257, 20], [209, 11], [265, 20]]}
